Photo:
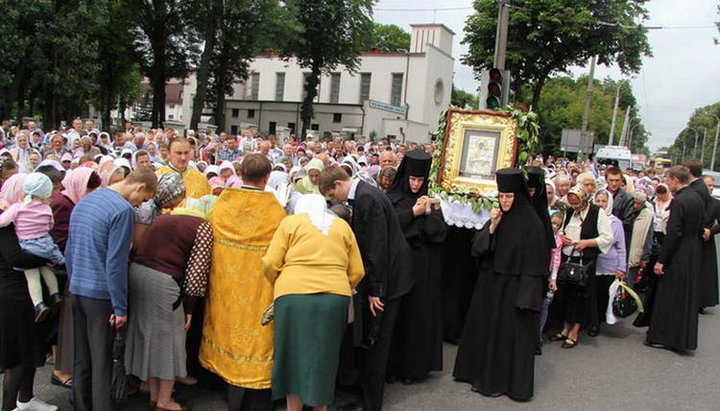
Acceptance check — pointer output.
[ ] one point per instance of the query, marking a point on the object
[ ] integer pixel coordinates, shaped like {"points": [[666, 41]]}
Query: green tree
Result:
{"points": [[463, 99], [562, 104], [704, 121], [166, 44], [388, 37], [333, 34], [546, 37]]}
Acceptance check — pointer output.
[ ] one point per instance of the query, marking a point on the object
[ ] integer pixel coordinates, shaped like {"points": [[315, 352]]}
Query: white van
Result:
{"points": [[614, 155]]}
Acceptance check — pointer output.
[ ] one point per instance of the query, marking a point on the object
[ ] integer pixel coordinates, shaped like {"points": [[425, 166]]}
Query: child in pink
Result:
{"points": [[556, 220], [33, 220]]}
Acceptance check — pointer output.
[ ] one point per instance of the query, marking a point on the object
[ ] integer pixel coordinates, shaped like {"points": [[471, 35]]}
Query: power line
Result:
{"points": [[426, 9]]}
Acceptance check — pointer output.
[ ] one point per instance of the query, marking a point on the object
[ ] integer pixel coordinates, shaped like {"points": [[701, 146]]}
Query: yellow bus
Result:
{"points": [[660, 163]]}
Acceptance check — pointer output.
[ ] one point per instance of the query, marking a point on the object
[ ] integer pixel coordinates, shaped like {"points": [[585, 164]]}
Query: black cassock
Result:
{"points": [[708, 296], [459, 273], [417, 342], [708, 281], [674, 321], [496, 353]]}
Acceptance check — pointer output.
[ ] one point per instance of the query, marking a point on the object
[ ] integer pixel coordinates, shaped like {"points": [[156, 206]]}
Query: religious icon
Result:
{"points": [[476, 144]]}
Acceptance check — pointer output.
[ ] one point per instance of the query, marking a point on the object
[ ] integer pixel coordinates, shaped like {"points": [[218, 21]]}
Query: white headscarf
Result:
{"points": [[36, 185], [315, 206]]}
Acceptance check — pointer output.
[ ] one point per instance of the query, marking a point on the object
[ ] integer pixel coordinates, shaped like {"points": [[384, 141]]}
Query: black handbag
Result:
{"points": [[575, 273]]}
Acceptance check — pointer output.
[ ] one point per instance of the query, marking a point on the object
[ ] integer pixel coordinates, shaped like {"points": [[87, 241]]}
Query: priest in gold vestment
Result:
{"points": [[196, 185], [235, 345]]}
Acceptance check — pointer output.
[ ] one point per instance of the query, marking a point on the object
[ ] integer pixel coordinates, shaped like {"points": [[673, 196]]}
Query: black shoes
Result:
{"points": [[41, 312], [655, 345], [55, 300], [594, 331]]}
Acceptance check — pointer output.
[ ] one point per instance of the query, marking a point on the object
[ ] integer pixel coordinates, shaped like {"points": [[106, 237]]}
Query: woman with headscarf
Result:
{"points": [[309, 183], [587, 233], [164, 284], [497, 349], [314, 262], [33, 160], [169, 194], [22, 343], [110, 173], [417, 341], [610, 264], [77, 183]]}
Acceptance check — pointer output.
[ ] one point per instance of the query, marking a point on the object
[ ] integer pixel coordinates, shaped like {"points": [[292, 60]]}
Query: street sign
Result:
{"points": [[570, 141]]}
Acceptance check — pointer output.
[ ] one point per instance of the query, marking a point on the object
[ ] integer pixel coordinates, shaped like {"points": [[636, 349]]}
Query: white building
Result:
{"points": [[400, 95], [391, 94]]}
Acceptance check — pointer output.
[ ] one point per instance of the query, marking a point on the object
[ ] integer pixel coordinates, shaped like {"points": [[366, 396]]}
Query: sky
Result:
{"points": [[682, 75]]}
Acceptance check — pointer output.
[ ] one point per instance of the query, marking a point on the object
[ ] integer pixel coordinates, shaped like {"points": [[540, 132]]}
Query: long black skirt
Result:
{"points": [[497, 349], [459, 274], [417, 342]]}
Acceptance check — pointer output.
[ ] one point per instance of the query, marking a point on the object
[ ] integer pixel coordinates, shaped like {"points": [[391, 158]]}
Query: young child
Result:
{"points": [[556, 219], [33, 220]]}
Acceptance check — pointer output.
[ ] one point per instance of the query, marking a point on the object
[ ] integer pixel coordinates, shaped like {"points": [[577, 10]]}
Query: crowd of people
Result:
{"points": [[316, 272]]}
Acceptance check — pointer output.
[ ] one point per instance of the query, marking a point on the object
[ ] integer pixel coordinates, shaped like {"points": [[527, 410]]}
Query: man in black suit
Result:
{"points": [[707, 275], [386, 257], [622, 201]]}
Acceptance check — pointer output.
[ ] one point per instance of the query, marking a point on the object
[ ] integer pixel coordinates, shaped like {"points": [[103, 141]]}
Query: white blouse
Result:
{"points": [[605, 236]]}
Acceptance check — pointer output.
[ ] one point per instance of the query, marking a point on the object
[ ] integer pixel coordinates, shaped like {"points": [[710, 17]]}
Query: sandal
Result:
{"points": [[67, 383], [570, 344], [558, 337]]}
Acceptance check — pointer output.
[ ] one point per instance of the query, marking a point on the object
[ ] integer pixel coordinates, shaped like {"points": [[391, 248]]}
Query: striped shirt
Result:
{"points": [[98, 246]]}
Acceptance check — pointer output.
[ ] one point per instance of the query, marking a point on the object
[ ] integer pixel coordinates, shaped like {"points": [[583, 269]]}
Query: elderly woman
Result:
{"points": [[22, 343], [314, 262], [640, 245], [309, 183], [588, 184], [164, 283], [110, 173], [587, 233], [86, 148], [610, 264], [20, 152], [34, 158], [169, 194]]}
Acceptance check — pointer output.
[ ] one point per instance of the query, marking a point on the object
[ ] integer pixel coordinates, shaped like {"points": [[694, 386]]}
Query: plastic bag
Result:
{"points": [[610, 317]]}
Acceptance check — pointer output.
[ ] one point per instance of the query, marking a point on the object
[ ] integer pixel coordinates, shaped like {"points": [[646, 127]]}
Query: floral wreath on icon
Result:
{"points": [[472, 145]]}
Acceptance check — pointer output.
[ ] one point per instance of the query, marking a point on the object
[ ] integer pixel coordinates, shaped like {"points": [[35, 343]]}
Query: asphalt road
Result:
{"points": [[613, 371]]}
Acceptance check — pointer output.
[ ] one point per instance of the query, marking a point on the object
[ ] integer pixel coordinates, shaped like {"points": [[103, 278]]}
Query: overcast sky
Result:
{"points": [[682, 75]]}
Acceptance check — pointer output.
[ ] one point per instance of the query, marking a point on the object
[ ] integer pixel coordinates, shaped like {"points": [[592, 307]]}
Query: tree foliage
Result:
{"points": [[333, 33], [388, 37], [704, 121], [562, 104], [546, 37], [463, 99]]}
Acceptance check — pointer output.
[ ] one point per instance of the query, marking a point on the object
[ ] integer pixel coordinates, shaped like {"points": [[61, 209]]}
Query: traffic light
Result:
{"points": [[494, 90]]}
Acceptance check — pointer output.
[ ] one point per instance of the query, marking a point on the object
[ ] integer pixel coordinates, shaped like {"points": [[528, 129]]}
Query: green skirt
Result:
{"points": [[308, 332]]}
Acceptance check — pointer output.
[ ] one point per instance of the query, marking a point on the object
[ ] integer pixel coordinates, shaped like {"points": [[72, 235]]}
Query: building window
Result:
{"points": [[315, 127], [172, 106], [396, 89], [171, 117], [279, 86], [273, 127], [337, 117], [334, 88], [365, 86], [235, 112], [291, 126], [233, 130], [251, 113], [254, 85]]}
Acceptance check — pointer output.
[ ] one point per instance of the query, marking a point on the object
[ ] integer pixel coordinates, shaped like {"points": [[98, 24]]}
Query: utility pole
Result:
{"points": [[623, 135], [717, 132], [586, 110], [614, 116], [702, 149], [683, 156], [695, 146], [501, 38]]}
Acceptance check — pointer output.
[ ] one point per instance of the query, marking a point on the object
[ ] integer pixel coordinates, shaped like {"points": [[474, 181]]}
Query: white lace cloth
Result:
{"points": [[462, 215]]}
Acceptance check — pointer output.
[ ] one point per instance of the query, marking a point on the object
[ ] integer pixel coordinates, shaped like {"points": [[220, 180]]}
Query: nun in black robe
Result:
{"points": [[417, 343], [497, 349]]}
